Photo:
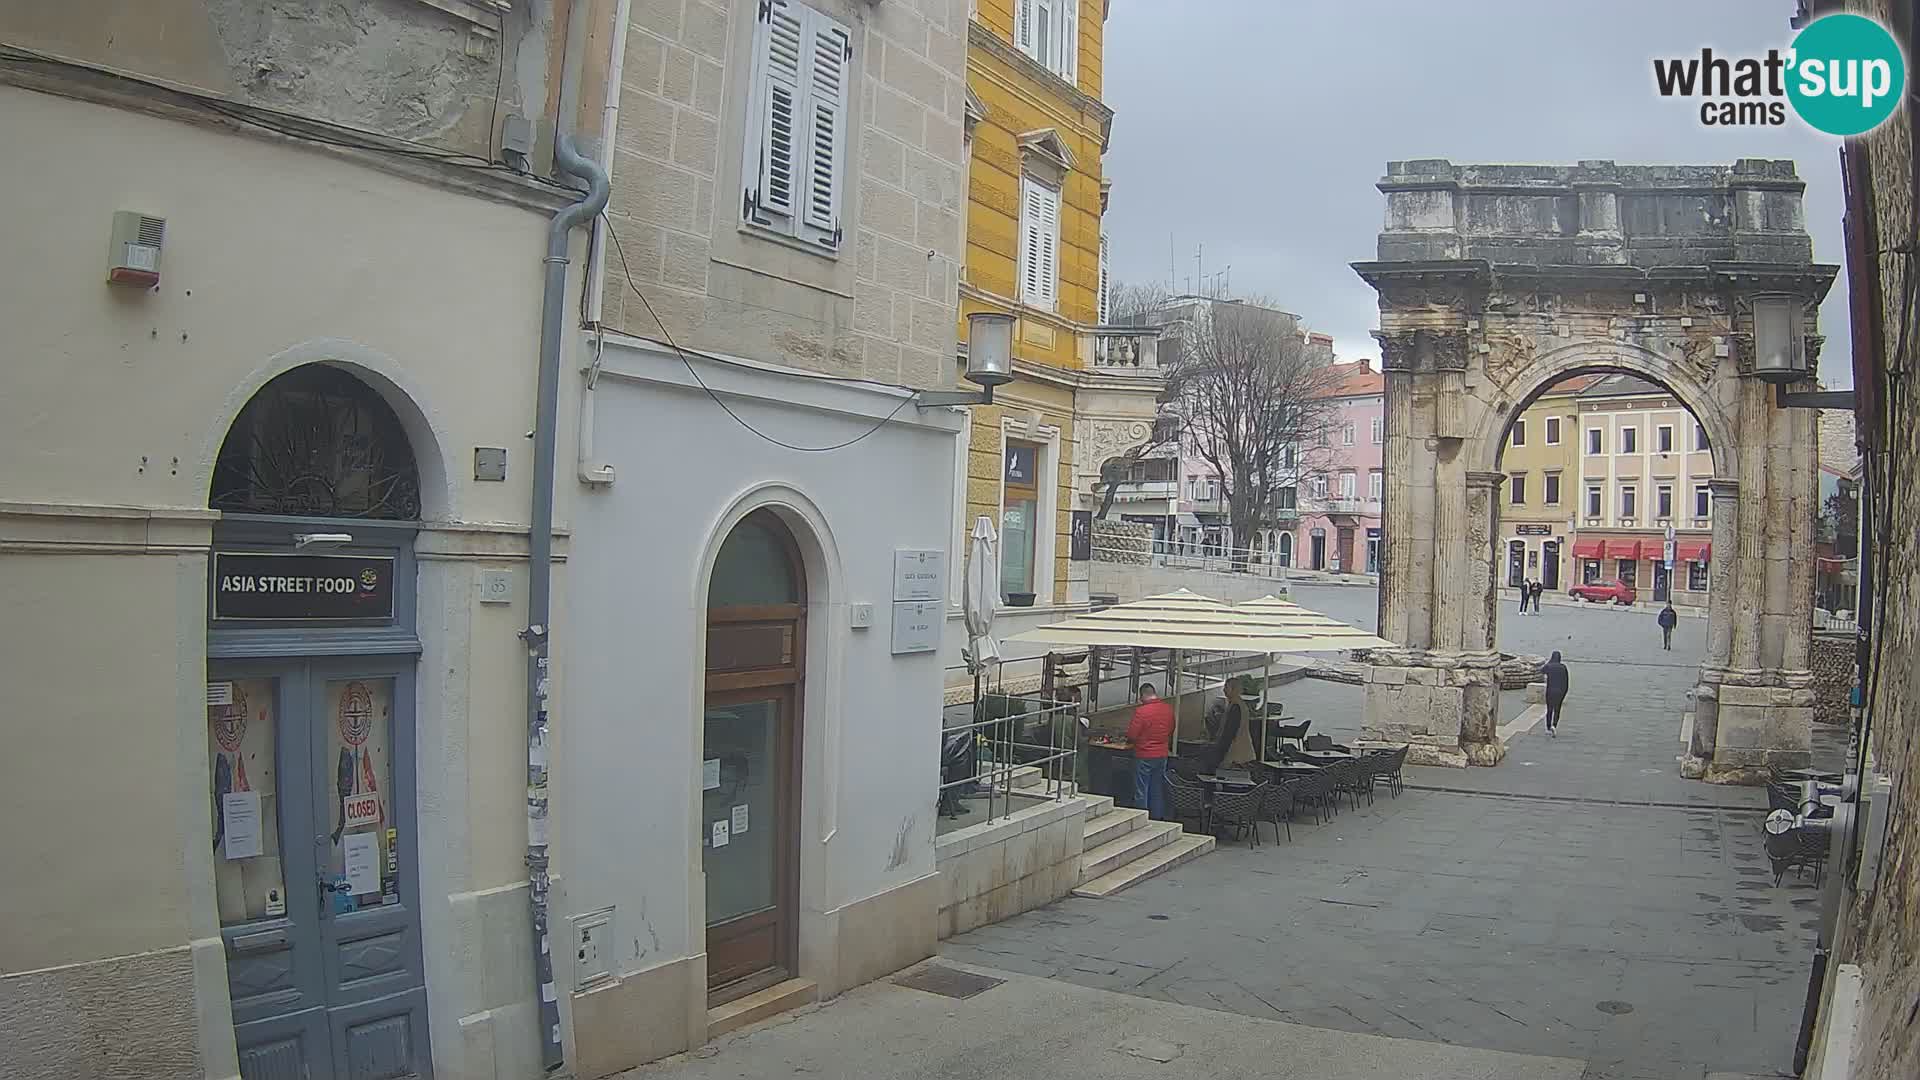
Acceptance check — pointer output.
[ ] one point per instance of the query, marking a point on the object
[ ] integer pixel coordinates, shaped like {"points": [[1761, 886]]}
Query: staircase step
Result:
{"points": [[1112, 825], [1185, 849], [1140, 841], [774, 1000], [1096, 804]]}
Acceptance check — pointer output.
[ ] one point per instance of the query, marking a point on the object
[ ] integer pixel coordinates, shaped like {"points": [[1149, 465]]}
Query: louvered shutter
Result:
{"points": [[1023, 35], [1032, 219], [829, 68], [775, 146], [1106, 297], [1050, 248], [1069, 68]]}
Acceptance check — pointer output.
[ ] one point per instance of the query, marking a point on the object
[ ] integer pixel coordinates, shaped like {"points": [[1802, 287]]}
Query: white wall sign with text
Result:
{"points": [[919, 575]]}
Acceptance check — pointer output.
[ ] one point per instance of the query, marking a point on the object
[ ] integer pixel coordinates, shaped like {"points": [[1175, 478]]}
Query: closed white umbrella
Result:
{"points": [[982, 595]]}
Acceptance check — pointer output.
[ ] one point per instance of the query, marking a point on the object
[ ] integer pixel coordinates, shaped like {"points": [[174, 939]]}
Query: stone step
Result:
{"points": [[1136, 843], [1097, 805], [1185, 849], [1111, 826], [755, 1007]]}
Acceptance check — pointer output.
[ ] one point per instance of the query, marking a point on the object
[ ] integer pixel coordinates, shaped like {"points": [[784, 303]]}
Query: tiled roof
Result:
{"points": [[1356, 379]]}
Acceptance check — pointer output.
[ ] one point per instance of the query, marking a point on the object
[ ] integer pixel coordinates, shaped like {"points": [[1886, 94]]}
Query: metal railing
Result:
{"points": [[1011, 733], [1183, 555]]}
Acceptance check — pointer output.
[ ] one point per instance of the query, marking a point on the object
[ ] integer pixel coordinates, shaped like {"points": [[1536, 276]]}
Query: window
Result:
{"points": [[1552, 492], [1628, 571], [1375, 481], [1319, 487], [1286, 549], [1347, 480], [1020, 523], [1288, 456], [1629, 499], [1663, 501], [1346, 435], [1702, 501], [795, 163], [1517, 488], [1519, 434], [1285, 498], [1193, 485], [1629, 440], [1593, 501], [1049, 31], [1700, 437], [1595, 442], [1697, 576], [1553, 431], [1106, 306], [1379, 431], [1039, 244], [1663, 438]]}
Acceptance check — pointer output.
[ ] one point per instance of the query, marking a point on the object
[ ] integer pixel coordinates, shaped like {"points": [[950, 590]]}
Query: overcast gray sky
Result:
{"points": [[1257, 128]]}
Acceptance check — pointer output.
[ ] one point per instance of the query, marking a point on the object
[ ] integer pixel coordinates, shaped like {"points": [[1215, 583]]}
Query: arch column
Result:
{"points": [[1724, 558]]}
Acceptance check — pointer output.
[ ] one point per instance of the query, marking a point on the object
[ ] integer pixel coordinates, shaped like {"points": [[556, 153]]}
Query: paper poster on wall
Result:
{"points": [[720, 833], [362, 855], [240, 810], [739, 819], [710, 774], [219, 693]]}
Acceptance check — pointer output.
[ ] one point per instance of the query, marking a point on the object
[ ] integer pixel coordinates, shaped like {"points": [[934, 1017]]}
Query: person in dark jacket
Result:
{"points": [[1538, 588], [1667, 618], [1556, 673], [1526, 590]]}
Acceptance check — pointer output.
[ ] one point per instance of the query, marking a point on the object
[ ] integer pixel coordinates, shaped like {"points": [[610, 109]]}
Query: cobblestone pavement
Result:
{"points": [[1522, 908]]}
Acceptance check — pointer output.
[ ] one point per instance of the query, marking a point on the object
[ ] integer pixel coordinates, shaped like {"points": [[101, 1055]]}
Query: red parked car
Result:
{"points": [[1599, 592]]}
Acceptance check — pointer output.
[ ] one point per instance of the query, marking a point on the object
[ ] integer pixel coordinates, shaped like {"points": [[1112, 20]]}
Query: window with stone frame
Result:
{"points": [[1049, 32], [1039, 244], [1553, 431], [1517, 489], [1550, 489], [795, 163], [1702, 501]]}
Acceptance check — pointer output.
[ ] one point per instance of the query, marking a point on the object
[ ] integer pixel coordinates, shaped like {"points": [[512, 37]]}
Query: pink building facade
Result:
{"points": [[1339, 495]]}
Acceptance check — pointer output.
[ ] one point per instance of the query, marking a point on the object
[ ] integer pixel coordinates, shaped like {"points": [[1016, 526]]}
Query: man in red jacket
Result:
{"points": [[1150, 732]]}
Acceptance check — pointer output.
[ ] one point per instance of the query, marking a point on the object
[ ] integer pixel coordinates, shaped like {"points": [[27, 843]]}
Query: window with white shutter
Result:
{"points": [[1023, 28], [1069, 66], [796, 151], [1106, 297], [1049, 31], [1039, 244]]}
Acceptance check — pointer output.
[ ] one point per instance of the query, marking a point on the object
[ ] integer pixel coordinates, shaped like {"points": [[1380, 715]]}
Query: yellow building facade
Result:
{"points": [[1036, 129], [1540, 498]]}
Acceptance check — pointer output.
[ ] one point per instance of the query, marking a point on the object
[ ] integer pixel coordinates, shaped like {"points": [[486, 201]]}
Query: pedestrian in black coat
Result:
{"points": [[1526, 590], [1539, 589], [1668, 617], [1556, 673]]}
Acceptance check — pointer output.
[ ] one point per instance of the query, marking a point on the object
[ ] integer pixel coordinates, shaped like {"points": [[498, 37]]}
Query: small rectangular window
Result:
{"points": [[1700, 437], [1663, 439], [1375, 480], [1702, 501], [1519, 436], [1346, 486], [1596, 443], [1663, 501], [1039, 244], [1552, 491], [1629, 440], [1379, 431], [1553, 431], [1346, 435], [1628, 500], [1593, 502], [1517, 487]]}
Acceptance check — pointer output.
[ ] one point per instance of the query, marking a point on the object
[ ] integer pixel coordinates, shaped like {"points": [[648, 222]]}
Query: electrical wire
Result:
{"points": [[627, 273]]}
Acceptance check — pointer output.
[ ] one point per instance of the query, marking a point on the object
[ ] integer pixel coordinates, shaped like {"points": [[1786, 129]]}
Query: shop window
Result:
{"points": [[317, 442], [1629, 572], [1697, 576], [1020, 524]]}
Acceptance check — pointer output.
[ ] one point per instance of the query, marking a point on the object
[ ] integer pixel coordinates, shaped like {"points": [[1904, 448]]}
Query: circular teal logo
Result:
{"points": [[1847, 74]]}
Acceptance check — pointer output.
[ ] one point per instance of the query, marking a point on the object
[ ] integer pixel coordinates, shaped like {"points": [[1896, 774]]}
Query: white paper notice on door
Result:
{"points": [[710, 774], [240, 810], [219, 693], [362, 856], [740, 819], [720, 833]]}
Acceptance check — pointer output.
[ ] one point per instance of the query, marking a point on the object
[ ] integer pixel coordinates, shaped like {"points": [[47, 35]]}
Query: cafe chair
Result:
{"points": [[1187, 801], [1240, 810], [1277, 808], [1387, 765], [1315, 790]]}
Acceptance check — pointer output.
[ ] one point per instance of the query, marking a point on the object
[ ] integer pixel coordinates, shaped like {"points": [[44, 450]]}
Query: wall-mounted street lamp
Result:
{"points": [[989, 362], [1780, 353]]}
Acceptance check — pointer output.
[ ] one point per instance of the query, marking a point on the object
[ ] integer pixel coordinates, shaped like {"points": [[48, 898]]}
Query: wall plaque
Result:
{"points": [[252, 586]]}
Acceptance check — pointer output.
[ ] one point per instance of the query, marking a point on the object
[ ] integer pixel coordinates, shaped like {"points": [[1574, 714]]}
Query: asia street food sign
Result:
{"points": [[250, 586]]}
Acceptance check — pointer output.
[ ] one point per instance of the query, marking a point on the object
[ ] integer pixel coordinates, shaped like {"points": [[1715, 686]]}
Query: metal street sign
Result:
{"points": [[1667, 550]]}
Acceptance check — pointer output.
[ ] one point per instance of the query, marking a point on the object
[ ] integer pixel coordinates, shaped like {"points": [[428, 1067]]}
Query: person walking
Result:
{"points": [[1556, 673], [1668, 617], [1539, 590], [1526, 590], [1150, 731]]}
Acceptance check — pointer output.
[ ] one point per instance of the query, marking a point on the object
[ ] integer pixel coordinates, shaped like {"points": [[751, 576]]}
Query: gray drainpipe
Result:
{"points": [[540, 579]]}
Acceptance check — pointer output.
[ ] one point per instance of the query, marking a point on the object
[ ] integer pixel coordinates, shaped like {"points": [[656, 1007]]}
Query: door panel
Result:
{"points": [[746, 825]]}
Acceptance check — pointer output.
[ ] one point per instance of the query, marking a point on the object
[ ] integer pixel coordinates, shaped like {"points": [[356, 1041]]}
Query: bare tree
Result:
{"points": [[1256, 405], [1133, 303]]}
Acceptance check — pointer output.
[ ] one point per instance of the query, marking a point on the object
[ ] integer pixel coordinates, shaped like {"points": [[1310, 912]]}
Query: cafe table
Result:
{"points": [[1324, 757]]}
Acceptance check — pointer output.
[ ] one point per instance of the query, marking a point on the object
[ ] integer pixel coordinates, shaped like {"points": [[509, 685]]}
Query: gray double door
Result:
{"points": [[316, 873]]}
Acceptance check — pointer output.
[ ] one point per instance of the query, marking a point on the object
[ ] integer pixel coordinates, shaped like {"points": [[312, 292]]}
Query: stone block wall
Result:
{"points": [[1126, 542], [1832, 678], [998, 869]]}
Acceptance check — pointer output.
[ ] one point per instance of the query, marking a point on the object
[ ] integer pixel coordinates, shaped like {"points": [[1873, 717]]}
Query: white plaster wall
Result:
{"points": [[274, 256], [631, 642]]}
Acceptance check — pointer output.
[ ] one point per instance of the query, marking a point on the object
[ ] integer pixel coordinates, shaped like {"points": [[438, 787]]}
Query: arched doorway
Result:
{"points": [[751, 767], [310, 730], [1286, 549]]}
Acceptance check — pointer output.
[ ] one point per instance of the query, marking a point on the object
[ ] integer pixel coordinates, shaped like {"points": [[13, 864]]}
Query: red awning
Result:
{"points": [[1588, 549], [1623, 549], [1692, 550]]}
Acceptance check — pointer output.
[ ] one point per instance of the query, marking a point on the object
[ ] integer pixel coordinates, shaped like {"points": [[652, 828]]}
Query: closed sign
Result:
{"points": [[359, 810]]}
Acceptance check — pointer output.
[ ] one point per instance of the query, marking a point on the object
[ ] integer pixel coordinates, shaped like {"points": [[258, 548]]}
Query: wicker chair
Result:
{"points": [[1187, 802], [1785, 796], [1387, 764], [1277, 810], [1296, 732], [1803, 847], [1241, 810], [1355, 778], [1315, 790]]}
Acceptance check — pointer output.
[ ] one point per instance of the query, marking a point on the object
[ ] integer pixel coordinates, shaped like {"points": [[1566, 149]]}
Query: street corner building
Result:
{"points": [[426, 659]]}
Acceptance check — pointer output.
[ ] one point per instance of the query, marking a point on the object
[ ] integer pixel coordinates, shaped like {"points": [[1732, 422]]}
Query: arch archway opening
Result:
{"points": [[317, 441]]}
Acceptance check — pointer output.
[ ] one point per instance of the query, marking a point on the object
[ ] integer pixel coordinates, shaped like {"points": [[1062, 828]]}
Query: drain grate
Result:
{"points": [[946, 981], [1615, 1008]]}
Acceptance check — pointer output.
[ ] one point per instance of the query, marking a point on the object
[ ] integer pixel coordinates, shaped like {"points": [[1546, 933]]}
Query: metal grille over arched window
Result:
{"points": [[317, 442]]}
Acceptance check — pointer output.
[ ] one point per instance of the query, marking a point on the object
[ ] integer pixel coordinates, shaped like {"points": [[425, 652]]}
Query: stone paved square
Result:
{"points": [[1581, 900]]}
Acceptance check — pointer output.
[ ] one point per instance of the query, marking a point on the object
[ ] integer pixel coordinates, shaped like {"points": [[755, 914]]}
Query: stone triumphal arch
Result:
{"points": [[1497, 281]]}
